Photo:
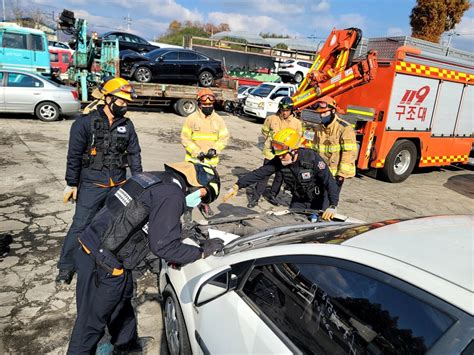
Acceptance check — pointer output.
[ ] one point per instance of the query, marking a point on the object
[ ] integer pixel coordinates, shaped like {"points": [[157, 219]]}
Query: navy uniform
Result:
{"points": [[140, 216], [98, 155], [305, 178]]}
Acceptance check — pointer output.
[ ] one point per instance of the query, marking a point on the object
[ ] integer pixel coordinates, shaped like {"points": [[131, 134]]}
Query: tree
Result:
{"points": [[174, 26], [429, 19]]}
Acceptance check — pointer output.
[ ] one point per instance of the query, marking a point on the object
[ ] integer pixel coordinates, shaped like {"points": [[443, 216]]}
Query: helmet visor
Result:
{"points": [[207, 99], [126, 89], [279, 148]]}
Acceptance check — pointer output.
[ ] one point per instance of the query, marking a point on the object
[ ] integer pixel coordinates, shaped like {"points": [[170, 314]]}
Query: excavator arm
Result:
{"points": [[331, 73]]}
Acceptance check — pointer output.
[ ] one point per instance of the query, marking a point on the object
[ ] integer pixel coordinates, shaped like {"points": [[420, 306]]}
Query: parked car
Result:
{"points": [[26, 92], [171, 65], [130, 41], [237, 107], [263, 100], [294, 70], [403, 287]]}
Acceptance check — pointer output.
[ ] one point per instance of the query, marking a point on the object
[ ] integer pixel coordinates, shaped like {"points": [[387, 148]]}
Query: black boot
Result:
{"points": [[272, 199], [65, 276], [253, 202]]}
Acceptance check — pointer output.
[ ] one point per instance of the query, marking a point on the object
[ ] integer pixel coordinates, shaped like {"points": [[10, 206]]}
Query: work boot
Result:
{"points": [[206, 210], [272, 199], [252, 202], [65, 276]]}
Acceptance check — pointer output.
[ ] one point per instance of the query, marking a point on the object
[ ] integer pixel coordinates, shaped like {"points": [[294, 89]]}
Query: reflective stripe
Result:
{"points": [[191, 147], [220, 146], [349, 168], [187, 131], [84, 247], [349, 146], [327, 148], [117, 272]]}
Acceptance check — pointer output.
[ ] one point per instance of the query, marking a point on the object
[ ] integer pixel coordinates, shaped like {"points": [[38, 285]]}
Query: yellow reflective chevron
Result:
{"points": [[349, 146]]}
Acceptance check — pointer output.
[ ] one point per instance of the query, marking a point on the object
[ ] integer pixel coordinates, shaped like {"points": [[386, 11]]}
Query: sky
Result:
{"points": [[297, 18]]}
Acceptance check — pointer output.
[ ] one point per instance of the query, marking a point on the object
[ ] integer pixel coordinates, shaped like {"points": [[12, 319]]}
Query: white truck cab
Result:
{"points": [[264, 99]]}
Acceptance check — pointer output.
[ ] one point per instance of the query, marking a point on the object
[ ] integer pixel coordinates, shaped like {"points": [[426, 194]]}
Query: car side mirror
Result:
{"points": [[160, 58], [213, 285]]}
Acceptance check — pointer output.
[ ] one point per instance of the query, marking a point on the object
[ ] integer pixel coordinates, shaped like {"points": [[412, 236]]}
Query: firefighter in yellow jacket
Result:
{"points": [[284, 118], [204, 135], [335, 140]]}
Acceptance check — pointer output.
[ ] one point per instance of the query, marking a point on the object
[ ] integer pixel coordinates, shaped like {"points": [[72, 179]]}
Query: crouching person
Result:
{"points": [[142, 215]]}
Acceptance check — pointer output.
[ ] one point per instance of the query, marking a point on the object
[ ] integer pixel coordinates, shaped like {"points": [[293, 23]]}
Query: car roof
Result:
{"points": [[441, 245]]}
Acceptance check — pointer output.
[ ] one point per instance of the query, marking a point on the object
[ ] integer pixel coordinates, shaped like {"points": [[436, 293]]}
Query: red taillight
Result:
{"points": [[75, 94]]}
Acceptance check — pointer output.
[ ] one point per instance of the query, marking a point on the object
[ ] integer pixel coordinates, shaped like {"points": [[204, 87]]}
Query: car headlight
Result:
{"points": [[261, 104]]}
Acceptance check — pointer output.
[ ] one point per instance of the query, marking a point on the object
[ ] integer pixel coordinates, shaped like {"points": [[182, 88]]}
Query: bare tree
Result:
{"points": [[429, 19]]}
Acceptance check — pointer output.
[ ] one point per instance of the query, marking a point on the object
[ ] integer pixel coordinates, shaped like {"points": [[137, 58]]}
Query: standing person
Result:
{"points": [[335, 141], [142, 215], [204, 135], [284, 118], [304, 173], [101, 145]]}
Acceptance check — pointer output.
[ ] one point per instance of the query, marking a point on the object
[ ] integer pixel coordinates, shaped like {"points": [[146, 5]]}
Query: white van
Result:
{"points": [[264, 99]]}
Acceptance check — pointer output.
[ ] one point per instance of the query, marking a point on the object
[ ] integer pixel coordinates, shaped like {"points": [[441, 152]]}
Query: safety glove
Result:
{"points": [[201, 156], [211, 247], [211, 153], [329, 213], [70, 193], [231, 193]]}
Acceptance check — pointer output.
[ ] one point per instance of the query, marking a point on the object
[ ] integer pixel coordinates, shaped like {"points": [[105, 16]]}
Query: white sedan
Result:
{"points": [[402, 287]]}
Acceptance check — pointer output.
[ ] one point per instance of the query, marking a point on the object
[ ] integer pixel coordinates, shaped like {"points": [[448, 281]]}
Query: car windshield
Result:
{"points": [[51, 82], [263, 90]]}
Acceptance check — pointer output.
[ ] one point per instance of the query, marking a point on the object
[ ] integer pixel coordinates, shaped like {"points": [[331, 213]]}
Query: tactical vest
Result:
{"points": [[302, 183], [127, 237], [106, 148]]}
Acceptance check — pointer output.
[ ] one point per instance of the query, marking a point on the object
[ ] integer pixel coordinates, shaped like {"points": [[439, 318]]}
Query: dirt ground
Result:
{"points": [[36, 316]]}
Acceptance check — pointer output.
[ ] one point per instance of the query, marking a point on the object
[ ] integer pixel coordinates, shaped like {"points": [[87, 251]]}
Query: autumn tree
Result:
{"points": [[429, 19], [174, 26]]}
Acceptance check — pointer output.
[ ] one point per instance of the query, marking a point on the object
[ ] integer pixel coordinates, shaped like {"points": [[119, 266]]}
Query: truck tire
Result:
{"points": [[47, 111], [175, 327], [298, 77], [206, 78], [400, 161], [142, 75], [185, 107]]}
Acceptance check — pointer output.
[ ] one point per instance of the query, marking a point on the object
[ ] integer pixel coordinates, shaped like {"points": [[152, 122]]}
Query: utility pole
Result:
{"points": [[129, 22], [4, 14]]}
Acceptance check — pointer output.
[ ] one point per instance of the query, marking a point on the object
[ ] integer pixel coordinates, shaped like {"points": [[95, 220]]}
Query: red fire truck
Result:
{"points": [[416, 109]]}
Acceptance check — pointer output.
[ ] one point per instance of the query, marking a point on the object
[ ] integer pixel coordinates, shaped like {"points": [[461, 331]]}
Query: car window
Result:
{"points": [[263, 90], [242, 89], [171, 56], [14, 40], [281, 92], [54, 57], [1, 78], [187, 56], [326, 309], [132, 38], [37, 43], [23, 81], [65, 58], [201, 57], [304, 64], [110, 37], [122, 38], [289, 61], [141, 40]]}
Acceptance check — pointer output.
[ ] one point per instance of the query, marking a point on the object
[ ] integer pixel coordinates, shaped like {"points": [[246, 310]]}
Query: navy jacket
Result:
{"points": [[166, 203], [321, 173], [78, 145]]}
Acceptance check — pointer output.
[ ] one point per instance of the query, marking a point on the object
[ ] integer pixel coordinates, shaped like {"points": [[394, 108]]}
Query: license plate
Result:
{"points": [[309, 135]]}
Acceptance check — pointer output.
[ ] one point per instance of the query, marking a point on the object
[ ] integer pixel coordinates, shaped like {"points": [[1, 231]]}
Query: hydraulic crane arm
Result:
{"points": [[331, 73]]}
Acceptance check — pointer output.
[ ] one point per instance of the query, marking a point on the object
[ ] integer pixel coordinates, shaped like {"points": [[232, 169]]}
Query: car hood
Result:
{"points": [[129, 56]]}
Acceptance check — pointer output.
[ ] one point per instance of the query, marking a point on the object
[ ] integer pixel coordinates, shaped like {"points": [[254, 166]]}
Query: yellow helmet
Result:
{"points": [[285, 141], [119, 87]]}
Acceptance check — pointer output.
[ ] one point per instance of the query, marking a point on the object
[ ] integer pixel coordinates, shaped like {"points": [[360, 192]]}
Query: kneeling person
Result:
{"points": [[304, 173], [142, 215]]}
